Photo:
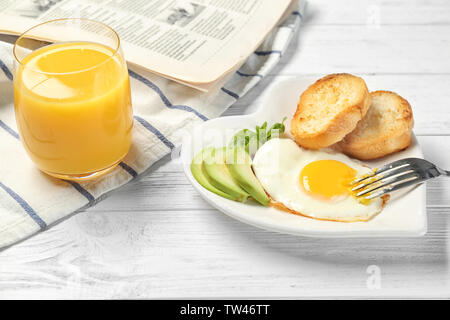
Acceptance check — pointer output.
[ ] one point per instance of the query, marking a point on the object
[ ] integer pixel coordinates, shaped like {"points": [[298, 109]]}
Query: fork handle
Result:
{"points": [[443, 172]]}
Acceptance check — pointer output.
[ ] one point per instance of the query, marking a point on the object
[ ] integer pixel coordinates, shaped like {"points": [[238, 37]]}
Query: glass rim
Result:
{"points": [[23, 34]]}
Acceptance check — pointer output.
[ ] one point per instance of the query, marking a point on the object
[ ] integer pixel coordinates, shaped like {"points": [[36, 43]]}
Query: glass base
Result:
{"points": [[84, 176]]}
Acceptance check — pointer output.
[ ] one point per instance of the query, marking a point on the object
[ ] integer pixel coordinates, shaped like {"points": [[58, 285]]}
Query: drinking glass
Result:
{"points": [[72, 98]]}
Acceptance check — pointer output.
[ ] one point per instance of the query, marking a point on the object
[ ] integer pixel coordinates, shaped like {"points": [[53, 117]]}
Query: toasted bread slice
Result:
{"points": [[329, 109], [385, 129]]}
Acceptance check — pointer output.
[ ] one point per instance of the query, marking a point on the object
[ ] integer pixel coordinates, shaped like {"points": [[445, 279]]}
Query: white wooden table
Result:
{"points": [[156, 238]]}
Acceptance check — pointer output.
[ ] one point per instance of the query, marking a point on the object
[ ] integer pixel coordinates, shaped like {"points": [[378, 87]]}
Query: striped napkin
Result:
{"points": [[164, 111]]}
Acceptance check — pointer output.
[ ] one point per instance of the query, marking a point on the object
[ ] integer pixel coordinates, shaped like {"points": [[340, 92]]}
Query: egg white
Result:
{"points": [[278, 164]]}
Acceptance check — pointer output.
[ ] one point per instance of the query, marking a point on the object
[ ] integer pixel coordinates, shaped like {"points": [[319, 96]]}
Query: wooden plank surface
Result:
{"points": [[156, 238]]}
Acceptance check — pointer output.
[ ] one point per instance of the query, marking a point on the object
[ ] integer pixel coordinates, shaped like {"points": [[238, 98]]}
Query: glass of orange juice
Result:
{"points": [[72, 98]]}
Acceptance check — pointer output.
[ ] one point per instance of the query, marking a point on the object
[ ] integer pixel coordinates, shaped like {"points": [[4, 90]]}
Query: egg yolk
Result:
{"points": [[327, 179]]}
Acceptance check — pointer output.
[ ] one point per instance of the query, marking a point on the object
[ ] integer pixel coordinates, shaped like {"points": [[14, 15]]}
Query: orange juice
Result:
{"points": [[73, 107]]}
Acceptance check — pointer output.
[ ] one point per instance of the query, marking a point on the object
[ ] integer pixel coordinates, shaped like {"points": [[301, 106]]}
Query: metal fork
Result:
{"points": [[396, 175]]}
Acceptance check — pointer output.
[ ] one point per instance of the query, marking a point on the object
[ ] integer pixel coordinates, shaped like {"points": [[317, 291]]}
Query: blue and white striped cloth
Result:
{"points": [[31, 201]]}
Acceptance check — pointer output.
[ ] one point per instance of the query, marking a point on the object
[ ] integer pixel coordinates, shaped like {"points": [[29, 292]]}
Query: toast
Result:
{"points": [[385, 129], [329, 109]]}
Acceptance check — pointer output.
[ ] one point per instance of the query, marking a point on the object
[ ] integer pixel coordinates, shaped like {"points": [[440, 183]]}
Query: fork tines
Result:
{"points": [[388, 178]]}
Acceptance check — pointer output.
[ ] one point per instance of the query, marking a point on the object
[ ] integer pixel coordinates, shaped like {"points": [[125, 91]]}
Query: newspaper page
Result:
{"points": [[192, 41]]}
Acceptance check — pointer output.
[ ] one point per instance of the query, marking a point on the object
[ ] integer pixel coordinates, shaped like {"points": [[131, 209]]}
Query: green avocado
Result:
{"points": [[239, 165], [198, 171], [220, 176]]}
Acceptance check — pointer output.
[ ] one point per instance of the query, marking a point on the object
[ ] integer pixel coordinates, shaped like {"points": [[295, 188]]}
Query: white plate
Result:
{"points": [[403, 216]]}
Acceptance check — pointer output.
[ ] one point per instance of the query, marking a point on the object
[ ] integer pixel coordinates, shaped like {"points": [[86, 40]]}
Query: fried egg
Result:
{"points": [[312, 183]]}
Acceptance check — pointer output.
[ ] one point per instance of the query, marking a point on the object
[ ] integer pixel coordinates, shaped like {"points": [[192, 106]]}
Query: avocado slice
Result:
{"points": [[198, 171], [220, 177], [239, 165]]}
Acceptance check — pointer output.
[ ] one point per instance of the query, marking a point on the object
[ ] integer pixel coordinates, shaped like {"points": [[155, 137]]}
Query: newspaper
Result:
{"points": [[195, 42]]}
